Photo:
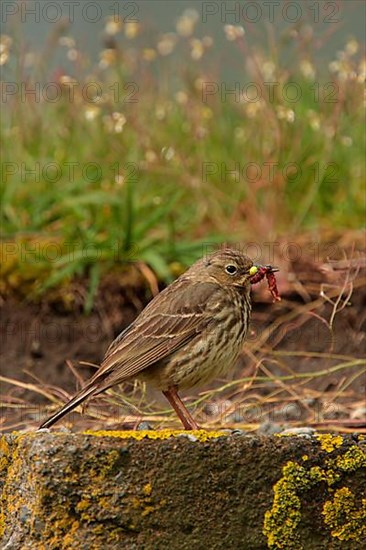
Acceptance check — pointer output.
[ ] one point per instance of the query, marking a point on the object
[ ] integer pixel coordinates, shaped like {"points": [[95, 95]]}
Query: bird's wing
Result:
{"points": [[161, 329]]}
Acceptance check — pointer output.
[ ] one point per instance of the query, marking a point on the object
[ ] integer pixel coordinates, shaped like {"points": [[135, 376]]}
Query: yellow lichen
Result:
{"points": [[329, 442], [343, 516], [281, 521], [147, 489], [200, 435], [12, 462], [147, 510], [343, 511], [69, 535], [83, 505], [4, 454], [316, 474], [351, 460], [144, 503]]}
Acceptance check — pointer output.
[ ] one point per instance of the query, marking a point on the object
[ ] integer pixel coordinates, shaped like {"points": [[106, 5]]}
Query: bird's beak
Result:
{"points": [[267, 269], [272, 269]]}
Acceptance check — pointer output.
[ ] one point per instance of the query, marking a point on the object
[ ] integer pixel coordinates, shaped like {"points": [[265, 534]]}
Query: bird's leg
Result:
{"points": [[172, 396]]}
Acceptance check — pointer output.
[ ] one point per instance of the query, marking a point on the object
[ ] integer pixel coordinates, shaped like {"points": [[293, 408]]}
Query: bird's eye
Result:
{"points": [[231, 269]]}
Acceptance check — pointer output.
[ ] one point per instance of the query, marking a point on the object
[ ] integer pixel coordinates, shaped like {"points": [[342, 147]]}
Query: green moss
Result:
{"points": [[342, 515]]}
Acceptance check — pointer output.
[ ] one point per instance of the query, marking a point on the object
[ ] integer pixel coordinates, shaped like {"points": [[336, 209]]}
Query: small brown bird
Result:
{"points": [[188, 334]]}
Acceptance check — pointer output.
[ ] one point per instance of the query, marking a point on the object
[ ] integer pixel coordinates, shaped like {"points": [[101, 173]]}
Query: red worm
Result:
{"points": [[269, 272]]}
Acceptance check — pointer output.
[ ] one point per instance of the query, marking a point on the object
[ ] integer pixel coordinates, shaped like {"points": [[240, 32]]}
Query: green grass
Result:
{"points": [[118, 181]]}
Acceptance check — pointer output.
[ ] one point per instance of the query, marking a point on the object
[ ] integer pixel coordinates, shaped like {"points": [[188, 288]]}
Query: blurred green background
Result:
{"points": [[161, 128]]}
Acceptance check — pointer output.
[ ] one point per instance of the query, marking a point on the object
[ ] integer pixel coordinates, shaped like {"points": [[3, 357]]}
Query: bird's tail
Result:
{"points": [[74, 402]]}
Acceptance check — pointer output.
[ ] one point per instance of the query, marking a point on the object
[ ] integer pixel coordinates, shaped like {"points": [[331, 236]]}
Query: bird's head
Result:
{"points": [[227, 267]]}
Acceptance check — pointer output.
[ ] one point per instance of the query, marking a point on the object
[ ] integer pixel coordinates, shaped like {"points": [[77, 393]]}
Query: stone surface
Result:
{"points": [[123, 490]]}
